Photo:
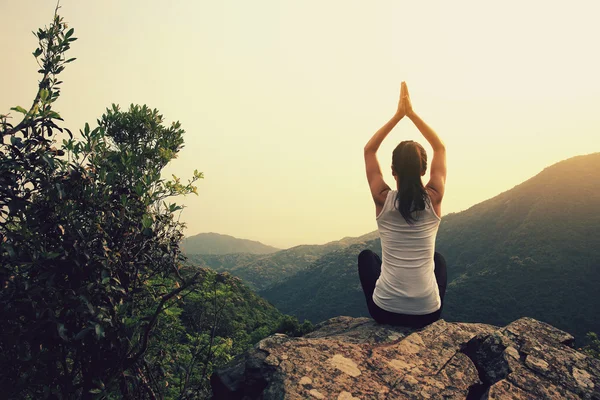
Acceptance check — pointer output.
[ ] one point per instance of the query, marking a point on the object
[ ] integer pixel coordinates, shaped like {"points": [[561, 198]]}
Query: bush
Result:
{"points": [[290, 326], [89, 244], [593, 346]]}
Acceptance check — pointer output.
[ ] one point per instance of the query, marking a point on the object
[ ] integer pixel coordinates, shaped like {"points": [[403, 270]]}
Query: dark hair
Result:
{"points": [[409, 161]]}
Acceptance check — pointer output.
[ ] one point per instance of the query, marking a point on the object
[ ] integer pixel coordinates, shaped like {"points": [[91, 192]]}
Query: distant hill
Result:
{"points": [[262, 271], [214, 243], [531, 251]]}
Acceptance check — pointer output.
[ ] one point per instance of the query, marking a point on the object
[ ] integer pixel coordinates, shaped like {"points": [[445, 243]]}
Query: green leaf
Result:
{"points": [[19, 109], [48, 160], [82, 334], [43, 94], [147, 221], [99, 331], [16, 141], [69, 33], [95, 391], [51, 255], [71, 60], [54, 114], [37, 53], [61, 332]]}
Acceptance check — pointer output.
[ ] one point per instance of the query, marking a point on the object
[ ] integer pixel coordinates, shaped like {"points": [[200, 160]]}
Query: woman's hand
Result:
{"points": [[401, 112], [405, 102]]}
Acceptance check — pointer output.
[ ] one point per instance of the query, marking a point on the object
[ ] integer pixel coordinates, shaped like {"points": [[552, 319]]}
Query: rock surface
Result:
{"points": [[354, 358]]}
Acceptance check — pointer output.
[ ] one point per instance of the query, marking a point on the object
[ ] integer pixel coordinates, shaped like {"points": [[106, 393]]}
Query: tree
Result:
{"points": [[89, 243]]}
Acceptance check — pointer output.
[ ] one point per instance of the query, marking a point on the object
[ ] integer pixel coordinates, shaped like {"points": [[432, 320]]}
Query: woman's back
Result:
{"points": [[408, 286], [407, 283]]}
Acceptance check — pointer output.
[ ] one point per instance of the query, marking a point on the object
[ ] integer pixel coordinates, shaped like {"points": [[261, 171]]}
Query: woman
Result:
{"points": [[408, 287]]}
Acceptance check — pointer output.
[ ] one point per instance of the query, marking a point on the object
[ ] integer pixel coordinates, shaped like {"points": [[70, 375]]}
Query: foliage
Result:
{"points": [[327, 288], [97, 300], [89, 245], [221, 318], [527, 251], [289, 325], [593, 346]]}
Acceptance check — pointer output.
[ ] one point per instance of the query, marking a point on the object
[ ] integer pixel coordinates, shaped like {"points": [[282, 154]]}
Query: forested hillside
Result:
{"points": [[531, 251], [328, 288], [260, 272]]}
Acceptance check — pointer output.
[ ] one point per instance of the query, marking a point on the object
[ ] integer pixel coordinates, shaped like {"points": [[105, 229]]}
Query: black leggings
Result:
{"points": [[369, 269]]}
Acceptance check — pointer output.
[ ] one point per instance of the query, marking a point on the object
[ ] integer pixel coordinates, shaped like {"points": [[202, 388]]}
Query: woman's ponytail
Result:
{"points": [[409, 161]]}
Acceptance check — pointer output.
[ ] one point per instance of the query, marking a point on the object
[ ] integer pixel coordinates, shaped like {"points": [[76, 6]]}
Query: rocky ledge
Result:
{"points": [[355, 358]]}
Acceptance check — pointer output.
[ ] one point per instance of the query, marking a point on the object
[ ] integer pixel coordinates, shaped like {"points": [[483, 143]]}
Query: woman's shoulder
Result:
{"points": [[435, 202], [388, 204]]}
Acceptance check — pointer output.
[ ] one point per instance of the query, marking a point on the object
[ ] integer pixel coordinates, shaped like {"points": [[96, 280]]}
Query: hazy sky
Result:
{"points": [[278, 98]]}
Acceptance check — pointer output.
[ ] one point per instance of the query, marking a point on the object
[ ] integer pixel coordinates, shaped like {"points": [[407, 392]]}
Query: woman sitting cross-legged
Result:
{"points": [[407, 288]]}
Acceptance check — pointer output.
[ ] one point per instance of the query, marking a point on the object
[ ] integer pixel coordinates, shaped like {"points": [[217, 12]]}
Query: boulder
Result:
{"points": [[355, 358]]}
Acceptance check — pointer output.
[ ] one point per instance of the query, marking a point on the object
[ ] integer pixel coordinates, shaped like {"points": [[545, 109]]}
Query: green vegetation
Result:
{"points": [[328, 288], [96, 299], [593, 346], [531, 251], [263, 271], [221, 318]]}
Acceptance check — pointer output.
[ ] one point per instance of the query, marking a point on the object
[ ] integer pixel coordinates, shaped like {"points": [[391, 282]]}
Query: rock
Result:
{"points": [[355, 358], [532, 359]]}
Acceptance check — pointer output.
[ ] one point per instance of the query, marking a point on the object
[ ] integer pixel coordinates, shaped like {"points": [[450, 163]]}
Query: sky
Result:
{"points": [[278, 98]]}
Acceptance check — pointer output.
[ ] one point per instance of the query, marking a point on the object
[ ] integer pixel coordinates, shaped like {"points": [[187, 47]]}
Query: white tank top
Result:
{"points": [[407, 283]]}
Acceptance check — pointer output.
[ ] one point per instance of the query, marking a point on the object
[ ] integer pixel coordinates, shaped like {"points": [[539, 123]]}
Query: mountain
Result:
{"points": [[531, 251], [214, 243], [262, 271]]}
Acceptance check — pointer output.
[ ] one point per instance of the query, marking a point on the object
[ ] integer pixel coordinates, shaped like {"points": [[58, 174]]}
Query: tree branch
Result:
{"points": [[146, 335]]}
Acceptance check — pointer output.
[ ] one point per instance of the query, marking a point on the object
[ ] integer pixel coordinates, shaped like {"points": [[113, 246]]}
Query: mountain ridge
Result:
{"points": [[217, 243], [262, 271]]}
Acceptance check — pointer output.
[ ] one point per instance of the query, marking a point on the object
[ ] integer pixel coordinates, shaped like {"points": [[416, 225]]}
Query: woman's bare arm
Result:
{"points": [[379, 188], [437, 180]]}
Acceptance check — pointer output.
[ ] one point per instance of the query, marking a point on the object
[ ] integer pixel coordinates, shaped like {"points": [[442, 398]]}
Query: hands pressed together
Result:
{"points": [[404, 105]]}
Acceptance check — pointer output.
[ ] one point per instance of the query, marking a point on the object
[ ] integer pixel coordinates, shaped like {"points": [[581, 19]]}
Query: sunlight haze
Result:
{"points": [[278, 98]]}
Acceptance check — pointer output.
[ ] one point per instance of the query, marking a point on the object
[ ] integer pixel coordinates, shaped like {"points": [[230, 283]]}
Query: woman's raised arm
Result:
{"points": [[437, 179], [379, 188]]}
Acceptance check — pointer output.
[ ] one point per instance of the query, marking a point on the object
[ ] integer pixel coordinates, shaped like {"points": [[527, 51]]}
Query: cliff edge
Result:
{"points": [[354, 358]]}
